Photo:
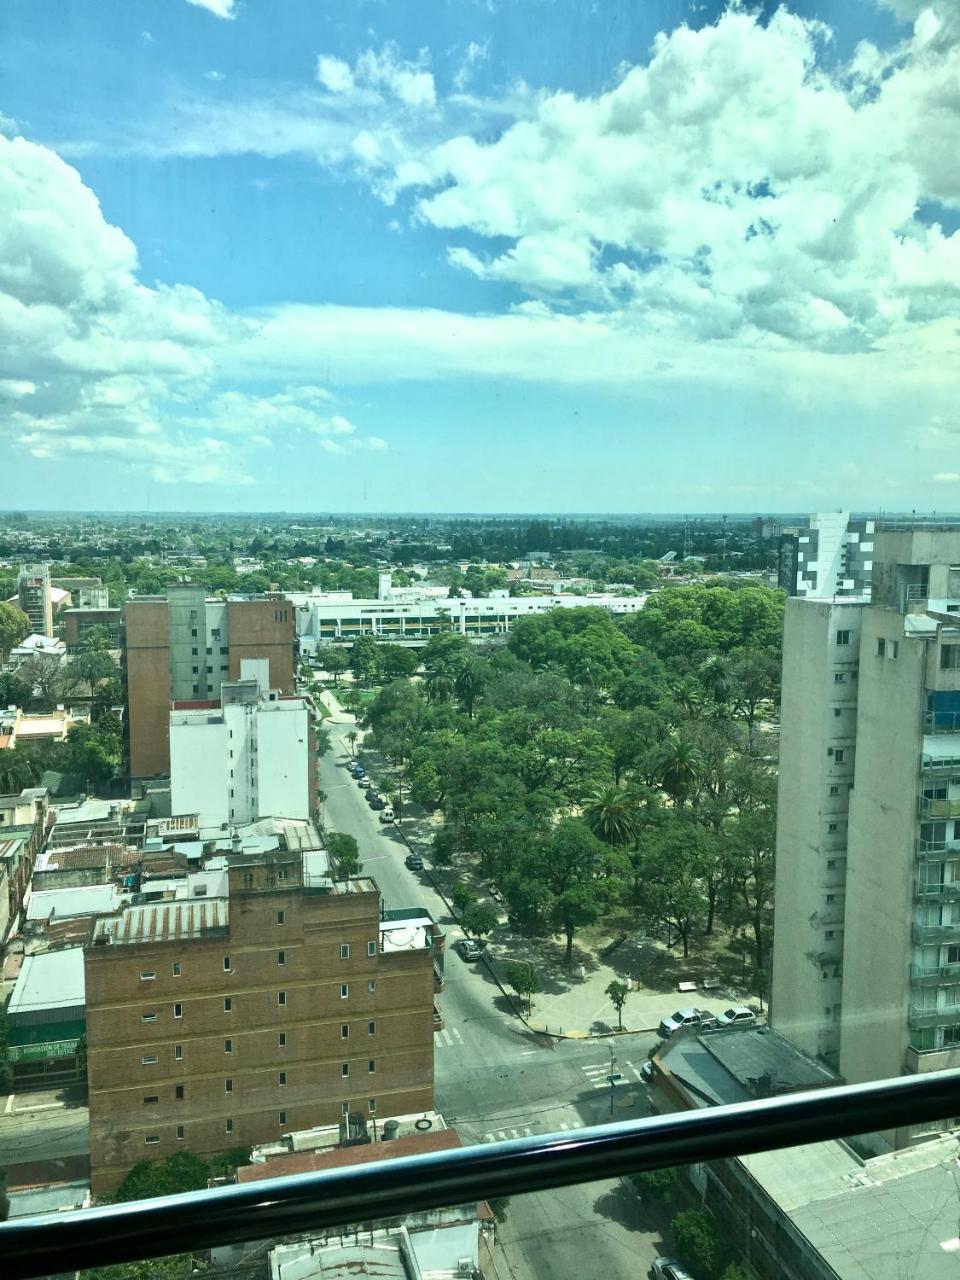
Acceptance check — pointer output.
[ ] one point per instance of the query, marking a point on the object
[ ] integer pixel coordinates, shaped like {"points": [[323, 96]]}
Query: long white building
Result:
{"points": [[324, 618], [250, 756]]}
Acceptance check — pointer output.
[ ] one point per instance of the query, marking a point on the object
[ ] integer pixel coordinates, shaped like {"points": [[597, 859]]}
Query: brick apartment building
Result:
{"points": [[228, 1022], [181, 648]]}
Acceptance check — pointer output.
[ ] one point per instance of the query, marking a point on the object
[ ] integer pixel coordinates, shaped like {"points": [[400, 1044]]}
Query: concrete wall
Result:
{"points": [[282, 746], [263, 629], [200, 766], [147, 673], [881, 861], [818, 721]]}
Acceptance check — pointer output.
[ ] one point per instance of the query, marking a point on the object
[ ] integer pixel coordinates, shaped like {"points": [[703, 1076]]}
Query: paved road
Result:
{"points": [[496, 1080], [50, 1132]]}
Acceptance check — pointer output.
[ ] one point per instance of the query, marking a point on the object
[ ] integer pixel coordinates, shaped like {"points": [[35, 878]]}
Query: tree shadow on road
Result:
{"points": [[622, 1204]]}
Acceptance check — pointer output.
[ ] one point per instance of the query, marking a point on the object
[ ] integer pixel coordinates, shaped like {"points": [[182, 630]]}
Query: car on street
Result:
{"points": [[375, 801], [364, 783], [386, 815], [737, 1015], [358, 772], [352, 764], [669, 1269], [467, 949], [685, 1018], [413, 862]]}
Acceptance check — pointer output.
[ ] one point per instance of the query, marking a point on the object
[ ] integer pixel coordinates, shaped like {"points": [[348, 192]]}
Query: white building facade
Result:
{"points": [[251, 757]]}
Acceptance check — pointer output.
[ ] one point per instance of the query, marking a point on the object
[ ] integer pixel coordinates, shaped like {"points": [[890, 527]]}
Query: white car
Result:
{"points": [[386, 815], [738, 1015], [668, 1269], [685, 1018], [364, 784]]}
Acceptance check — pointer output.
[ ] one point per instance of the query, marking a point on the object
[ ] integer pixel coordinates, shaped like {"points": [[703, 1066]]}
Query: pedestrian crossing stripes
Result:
{"points": [[523, 1131], [447, 1038], [598, 1074]]}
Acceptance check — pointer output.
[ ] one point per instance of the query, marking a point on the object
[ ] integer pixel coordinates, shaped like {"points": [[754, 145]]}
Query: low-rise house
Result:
{"points": [[46, 1017]]}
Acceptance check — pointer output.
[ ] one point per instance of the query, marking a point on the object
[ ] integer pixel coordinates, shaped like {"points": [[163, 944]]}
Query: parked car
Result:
{"points": [[364, 783], [375, 801], [386, 814], [685, 1018], [738, 1015], [668, 1269], [352, 764], [358, 771], [413, 862], [468, 949]]}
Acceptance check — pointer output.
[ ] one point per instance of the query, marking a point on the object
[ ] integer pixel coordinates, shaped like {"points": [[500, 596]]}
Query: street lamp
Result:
{"points": [[613, 1077]]}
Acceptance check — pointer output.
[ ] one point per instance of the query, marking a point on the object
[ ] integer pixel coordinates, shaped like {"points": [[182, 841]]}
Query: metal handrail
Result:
{"points": [[54, 1243]]}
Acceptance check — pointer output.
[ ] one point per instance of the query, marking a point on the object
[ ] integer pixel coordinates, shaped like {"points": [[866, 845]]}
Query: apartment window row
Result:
{"points": [[345, 1029], [152, 1016], [890, 649], [345, 1068]]}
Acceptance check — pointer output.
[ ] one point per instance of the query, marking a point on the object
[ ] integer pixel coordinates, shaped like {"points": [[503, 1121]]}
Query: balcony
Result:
{"points": [[939, 808], [933, 975], [933, 1017], [925, 934], [938, 892]]}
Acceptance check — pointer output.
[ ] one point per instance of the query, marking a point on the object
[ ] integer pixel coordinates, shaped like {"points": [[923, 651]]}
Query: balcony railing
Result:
{"points": [[67, 1242], [939, 808], [927, 933], [933, 1017], [938, 892], [934, 974]]}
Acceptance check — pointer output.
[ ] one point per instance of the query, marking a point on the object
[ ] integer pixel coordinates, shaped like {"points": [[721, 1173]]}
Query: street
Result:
{"points": [[496, 1080]]}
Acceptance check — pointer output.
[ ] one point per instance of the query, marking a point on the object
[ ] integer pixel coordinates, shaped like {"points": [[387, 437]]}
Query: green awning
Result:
{"points": [[50, 1040]]}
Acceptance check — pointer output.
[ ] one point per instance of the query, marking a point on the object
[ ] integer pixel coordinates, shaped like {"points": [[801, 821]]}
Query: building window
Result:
{"points": [[344, 1069], [953, 954], [344, 950], [176, 969], [837, 711], [843, 637], [228, 1126], [371, 1105], [178, 1092], [147, 975], [248, 879], [193, 634], [829, 934], [228, 1046], [881, 648], [151, 1139], [214, 633], [371, 948], [282, 1040], [228, 1085], [344, 1030], [834, 791], [949, 657], [371, 1028], [344, 1108], [372, 985], [178, 1010], [281, 917], [151, 1098], [193, 653], [148, 1017], [209, 651], [177, 1052], [281, 1078], [281, 957], [196, 688], [831, 897], [838, 756], [831, 826], [831, 863], [838, 677], [283, 1118], [196, 671], [281, 997], [228, 1004], [344, 991], [148, 1060], [179, 1132], [894, 649], [227, 967], [281, 874], [371, 1065], [223, 648]]}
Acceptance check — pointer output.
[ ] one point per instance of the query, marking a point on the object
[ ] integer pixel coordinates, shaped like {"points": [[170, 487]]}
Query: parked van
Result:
{"points": [[386, 815]]}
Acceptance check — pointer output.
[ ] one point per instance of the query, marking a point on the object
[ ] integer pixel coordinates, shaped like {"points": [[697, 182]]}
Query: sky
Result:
{"points": [[479, 255]]}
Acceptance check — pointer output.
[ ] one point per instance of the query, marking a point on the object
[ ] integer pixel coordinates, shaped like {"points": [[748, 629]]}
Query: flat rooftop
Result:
{"points": [[49, 981], [87, 900], [740, 1063], [163, 922]]}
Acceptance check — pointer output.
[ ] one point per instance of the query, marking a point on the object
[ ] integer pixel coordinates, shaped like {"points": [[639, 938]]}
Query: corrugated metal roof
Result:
{"points": [[48, 981], [164, 921]]}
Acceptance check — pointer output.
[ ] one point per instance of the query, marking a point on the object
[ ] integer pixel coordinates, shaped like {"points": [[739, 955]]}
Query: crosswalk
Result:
{"points": [[598, 1074], [447, 1038], [524, 1131]]}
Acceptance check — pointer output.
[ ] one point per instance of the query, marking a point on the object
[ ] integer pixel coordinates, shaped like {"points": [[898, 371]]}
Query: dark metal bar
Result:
{"points": [[55, 1243]]}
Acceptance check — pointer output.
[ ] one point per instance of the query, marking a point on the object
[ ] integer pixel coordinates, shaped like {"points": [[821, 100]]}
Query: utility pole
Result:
{"points": [[613, 1077]]}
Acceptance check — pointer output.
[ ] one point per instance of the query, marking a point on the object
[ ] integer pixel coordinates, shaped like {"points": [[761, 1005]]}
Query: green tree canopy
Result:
{"points": [[14, 627]]}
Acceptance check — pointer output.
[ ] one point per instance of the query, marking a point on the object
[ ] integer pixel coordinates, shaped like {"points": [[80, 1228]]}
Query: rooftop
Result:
{"points": [[415, 1144], [49, 981], [735, 1064], [93, 899], [163, 922]]}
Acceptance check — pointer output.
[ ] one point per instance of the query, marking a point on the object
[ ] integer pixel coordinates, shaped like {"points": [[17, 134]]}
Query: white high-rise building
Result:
{"points": [[252, 756], [866, 955], [831, 556]]}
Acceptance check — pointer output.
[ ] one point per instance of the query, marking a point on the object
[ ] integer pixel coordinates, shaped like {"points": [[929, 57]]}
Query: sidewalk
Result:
{"points": [[573, 1003]]}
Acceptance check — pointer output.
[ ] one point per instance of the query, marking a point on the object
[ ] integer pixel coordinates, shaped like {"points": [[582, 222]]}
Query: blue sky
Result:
{"points": [[493, 255]]}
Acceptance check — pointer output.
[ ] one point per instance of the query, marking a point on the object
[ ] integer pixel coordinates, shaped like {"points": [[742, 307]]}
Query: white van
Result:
{"points": [[386, 815]]}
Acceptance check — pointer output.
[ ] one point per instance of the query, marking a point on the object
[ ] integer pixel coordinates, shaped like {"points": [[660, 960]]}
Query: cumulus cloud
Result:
{"points": [[383, 72], [474, 56], [730, 187], [219, 8], [93, 362]]}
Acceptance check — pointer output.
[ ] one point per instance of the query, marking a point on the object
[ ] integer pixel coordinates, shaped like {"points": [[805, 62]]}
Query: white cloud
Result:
{"points": [[334, 74], [382, 72], [474, 56], [946, 477], [219, 8], [215, 76]]}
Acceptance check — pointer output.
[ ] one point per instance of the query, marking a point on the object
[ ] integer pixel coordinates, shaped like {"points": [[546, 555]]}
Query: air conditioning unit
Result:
{"points": [[464, 1266]]}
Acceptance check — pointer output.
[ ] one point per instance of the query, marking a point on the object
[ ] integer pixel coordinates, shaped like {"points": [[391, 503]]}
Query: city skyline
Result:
{"points": [[502, 257]]}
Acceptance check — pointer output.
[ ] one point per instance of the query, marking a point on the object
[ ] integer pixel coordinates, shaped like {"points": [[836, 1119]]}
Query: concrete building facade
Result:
{"points": [[182, 648], [866, 963], [252, 757], [77, 622], [229, 1022], [832, 556], [35, 598]]}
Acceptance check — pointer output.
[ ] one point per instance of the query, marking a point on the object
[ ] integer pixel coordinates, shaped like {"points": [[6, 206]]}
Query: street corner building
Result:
{"points": [[226, 1022]]}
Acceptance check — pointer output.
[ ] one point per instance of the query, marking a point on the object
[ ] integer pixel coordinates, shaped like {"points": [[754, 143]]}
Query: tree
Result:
{"points": [[148, 1178], [463, 896], [352, 737], [525, 980], [610, 815], [618, 992], [14, 627], [365, 658], [654, 1184], [335, 662], [681, 765], [345, 853], [93, 665], [96, 639], [674, 857], [480, 919], [175, 1266], [439, 685], [575, 867], [468, 683], [697, 1242], [396, 661], [17, 771]]}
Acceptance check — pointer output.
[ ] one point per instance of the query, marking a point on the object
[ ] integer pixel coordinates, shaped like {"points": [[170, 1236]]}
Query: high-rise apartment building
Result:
{"points": [[227, 1022], [35, 599], [252, 757], [182, 647], [866, 960], [831, 556]]}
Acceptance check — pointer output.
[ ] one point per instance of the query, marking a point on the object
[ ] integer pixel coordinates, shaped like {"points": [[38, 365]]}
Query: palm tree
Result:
{"points": [[717, 677], [610, 813], [440, 685], [688, 696], [468, 682], [16, 772], [681, 767]]}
